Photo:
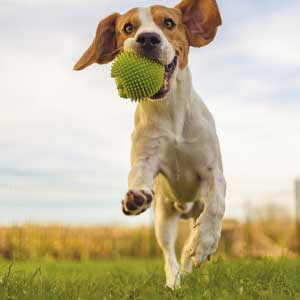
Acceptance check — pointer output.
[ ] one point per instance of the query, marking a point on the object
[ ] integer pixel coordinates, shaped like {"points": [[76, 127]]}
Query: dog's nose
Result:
{"points": [[148, 40]]}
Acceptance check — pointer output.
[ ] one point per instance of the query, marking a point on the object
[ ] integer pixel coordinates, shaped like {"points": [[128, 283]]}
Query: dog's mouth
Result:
{"points": [[169, 71]]}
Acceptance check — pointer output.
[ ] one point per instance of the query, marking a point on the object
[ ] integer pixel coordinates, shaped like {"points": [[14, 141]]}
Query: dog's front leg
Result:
{"points": [[207, 229], [140, 184]]}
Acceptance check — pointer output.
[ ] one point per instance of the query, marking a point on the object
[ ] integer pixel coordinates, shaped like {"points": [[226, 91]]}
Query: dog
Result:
{"points": [[175, 157]]}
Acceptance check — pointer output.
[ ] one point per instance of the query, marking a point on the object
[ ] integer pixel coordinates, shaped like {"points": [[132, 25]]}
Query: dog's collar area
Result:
{"points": [[169, 71]]}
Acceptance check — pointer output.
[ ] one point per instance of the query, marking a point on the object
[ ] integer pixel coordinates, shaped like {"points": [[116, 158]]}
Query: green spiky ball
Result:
{"points": [[137, 77]]}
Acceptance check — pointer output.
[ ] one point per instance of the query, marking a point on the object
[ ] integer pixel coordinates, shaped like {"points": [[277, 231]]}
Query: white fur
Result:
{"points": [[175, 151]]}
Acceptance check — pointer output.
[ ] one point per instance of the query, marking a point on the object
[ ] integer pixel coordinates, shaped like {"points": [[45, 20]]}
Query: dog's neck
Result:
{"points": [[174, 108]]}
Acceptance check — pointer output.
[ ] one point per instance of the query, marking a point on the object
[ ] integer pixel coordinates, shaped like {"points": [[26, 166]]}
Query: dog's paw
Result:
{"points": [[136, 202], [204, 242]]}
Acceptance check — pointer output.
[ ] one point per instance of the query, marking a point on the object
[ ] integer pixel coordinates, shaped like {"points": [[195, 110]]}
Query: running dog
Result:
{"points": [[176, 159]]}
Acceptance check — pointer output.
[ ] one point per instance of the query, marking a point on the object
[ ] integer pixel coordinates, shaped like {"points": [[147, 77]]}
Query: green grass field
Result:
{"points": [[144, 279]]}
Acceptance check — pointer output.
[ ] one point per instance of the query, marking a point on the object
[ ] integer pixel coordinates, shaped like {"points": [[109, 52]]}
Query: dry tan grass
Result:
{"points": [[262, 238]]}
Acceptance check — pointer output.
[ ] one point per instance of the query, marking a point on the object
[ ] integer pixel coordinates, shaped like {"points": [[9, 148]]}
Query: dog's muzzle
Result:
{"points": [[149, 45], [169, 71]]}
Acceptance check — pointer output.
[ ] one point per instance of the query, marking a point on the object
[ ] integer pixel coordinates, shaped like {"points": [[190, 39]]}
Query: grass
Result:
{"points": [[144, 279]]}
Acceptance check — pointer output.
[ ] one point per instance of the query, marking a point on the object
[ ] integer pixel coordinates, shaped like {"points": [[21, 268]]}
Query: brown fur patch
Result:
{"points": [[109, 39], [176, 36], [102, 49], [132, 17], [201, 19]]}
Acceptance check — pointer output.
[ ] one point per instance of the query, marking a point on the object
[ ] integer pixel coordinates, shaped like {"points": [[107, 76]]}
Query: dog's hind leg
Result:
{"points": [[207, 230], [186, 263], [166, 222]]}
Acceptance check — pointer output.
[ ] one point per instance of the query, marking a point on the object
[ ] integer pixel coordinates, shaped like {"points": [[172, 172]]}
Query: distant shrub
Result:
{"points": [[58, 242]]}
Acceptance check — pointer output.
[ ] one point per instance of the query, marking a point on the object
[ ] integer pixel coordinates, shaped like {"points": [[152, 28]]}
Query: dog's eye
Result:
{"points": [[128, 28], [169, 23]]}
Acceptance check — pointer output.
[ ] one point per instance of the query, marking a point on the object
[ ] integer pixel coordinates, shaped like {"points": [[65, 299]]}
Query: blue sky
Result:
{"points": [[65, 136]]}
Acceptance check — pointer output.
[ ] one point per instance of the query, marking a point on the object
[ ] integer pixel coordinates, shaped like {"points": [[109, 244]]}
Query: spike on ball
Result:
{"points": [[137, 77]]}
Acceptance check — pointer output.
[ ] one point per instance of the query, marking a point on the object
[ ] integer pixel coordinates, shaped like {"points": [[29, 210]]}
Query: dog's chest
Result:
{"points": [[179, 167]]}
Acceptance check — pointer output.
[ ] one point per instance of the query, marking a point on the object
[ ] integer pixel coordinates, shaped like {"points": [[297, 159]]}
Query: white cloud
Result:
{"points": [[273, 38]]}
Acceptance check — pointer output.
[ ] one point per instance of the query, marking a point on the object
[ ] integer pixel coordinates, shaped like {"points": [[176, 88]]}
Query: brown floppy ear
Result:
{"points": [[104, 46], [202, 18]]}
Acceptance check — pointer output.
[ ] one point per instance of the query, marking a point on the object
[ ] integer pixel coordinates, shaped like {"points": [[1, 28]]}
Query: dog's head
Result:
{"points": [[159, 32]]}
